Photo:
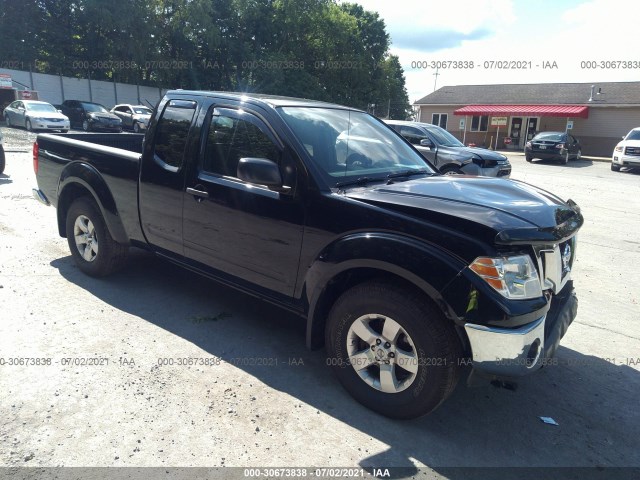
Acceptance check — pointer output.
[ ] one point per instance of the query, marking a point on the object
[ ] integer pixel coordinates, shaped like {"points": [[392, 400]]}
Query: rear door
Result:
{"points": [[237, 228], [162, 175]]}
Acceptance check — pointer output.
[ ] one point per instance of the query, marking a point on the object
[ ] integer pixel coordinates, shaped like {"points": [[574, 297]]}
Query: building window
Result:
{"points": [[479, 123], [439, 119]]}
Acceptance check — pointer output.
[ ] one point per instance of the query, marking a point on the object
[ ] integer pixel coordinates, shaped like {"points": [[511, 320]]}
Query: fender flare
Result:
{"points": [[425, 266], [87, 177]]}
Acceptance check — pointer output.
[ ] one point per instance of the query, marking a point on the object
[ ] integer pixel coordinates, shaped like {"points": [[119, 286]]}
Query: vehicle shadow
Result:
{"points": [[582, 163], [594, 400], [4, 178]]}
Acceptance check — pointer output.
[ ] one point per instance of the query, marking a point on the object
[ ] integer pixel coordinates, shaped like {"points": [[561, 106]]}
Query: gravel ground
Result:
{"points": [[287, 409]]}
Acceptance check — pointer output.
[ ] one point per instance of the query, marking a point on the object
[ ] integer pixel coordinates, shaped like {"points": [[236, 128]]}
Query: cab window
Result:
{"points": [[232, 135]]}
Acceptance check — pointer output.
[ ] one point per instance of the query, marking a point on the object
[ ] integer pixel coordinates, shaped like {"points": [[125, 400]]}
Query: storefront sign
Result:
{"points": [[569, 124], [462, 124], [498, 121]]}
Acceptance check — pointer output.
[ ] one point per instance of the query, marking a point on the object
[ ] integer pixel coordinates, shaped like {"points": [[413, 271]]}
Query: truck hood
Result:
{"points": [[516, 211]]}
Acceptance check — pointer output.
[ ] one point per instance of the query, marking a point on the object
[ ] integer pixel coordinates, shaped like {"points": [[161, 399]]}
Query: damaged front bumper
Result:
{"points": [[514, 352]]}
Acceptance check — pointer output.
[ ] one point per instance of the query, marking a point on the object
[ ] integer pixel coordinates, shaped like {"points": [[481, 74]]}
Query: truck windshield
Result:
{"points": [[347, 145]]}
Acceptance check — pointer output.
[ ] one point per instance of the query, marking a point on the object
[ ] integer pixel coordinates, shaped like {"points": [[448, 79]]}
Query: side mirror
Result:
{"points": [[425, 142], [260, 171]]}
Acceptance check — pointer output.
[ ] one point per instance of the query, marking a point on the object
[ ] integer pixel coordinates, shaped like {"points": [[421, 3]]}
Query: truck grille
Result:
{"points": [[632, 151], [555, 264]]}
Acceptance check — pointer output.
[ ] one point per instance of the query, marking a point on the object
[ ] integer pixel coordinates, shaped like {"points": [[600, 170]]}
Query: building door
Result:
{"points": [[532, 128], [515, 131]]}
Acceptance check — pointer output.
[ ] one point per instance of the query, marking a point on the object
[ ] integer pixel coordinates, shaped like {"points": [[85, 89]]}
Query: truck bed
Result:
{"points": [[115, 155]]}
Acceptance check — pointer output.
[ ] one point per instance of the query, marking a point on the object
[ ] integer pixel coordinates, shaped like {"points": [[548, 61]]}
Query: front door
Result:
{"points": [[515, 132], [239, 229], [532, 128]]}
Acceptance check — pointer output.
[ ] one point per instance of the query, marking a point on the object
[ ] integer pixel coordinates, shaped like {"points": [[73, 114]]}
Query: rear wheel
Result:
{"points": [[392, 350], [565, 159], [95, 252], [615, 168]]}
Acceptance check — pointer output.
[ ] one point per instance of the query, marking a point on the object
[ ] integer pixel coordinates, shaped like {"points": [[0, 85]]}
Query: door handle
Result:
{"points": [[198, 194]]}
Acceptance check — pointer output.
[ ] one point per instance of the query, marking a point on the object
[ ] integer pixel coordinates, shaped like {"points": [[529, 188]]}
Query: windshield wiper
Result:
{"points": [[408, 173], [359, 181]]}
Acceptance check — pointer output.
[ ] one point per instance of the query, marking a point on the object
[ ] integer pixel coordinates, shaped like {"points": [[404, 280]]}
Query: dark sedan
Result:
{"points": [[558, 146], [91, 116]]}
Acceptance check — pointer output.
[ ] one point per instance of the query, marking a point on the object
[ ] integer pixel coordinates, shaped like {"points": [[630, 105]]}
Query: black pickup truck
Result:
{"points": [[404, 274]]}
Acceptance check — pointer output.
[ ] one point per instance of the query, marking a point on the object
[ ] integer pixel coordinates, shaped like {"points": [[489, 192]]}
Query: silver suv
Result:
{"points": [[449, 154]]}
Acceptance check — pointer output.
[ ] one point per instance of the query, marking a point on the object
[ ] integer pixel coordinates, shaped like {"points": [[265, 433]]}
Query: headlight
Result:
{"points": [[515, 278], [618, 148], [527, 145]]}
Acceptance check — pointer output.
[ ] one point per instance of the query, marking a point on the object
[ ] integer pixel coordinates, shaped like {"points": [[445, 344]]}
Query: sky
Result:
{"points": [[535, 33]]}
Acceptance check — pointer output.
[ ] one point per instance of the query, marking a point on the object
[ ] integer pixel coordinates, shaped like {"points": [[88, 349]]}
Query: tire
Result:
{"points": [[579, 155], [85, 126], [7, 121], [451, 170], [95, 252], [369, 309], [136, 127], [2, 160], [28, 126], [615, 168], [528, 158], [64, 131], [564, 160]]}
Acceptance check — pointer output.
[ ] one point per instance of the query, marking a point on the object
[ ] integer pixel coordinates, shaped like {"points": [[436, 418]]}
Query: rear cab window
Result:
{"points": [[172, 130]]}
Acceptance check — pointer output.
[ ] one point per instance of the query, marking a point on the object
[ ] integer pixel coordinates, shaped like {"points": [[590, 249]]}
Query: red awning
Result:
{"points": [[575, 111]]}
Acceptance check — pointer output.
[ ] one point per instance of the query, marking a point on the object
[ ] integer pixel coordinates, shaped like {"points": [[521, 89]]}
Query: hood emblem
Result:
{"points": [[566, 259]]}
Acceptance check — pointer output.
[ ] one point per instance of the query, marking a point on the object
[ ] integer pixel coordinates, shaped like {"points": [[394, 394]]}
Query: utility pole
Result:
{"points": [[436, 80]]}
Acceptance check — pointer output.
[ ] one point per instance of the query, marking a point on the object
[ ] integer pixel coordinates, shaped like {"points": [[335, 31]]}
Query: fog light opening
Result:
{"points": [[533, 354]]}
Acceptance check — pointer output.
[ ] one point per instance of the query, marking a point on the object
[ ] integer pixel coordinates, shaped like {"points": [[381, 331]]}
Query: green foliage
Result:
{"points": [[308, 48]]}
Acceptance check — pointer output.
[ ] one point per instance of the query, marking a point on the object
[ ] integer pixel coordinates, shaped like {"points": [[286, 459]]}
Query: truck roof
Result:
{"points": [[271, 100]]}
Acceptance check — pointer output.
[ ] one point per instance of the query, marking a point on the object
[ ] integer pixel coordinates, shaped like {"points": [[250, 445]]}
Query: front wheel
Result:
{"points": [[95, 252], [392, 350], [29, 126], [85, 126], [615, 168], [579, 155], [7, 121], [136, 127], [451, 170], [528, 158]]}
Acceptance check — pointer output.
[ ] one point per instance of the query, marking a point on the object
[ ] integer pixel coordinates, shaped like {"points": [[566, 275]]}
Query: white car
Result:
{"points": [[136, 117], [627, 152], [35, 115]]}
